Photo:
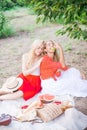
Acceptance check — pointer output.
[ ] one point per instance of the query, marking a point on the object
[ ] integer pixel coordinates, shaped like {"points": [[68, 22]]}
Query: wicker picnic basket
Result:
{"points": [[49, 112]]}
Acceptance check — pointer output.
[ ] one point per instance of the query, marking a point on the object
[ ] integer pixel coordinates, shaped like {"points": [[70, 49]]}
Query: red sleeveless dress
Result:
{"points": [[31, 85]]}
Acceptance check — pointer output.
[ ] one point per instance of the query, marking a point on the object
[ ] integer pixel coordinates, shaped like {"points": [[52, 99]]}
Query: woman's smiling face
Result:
{"points": [[50, 47], [39, 50]]}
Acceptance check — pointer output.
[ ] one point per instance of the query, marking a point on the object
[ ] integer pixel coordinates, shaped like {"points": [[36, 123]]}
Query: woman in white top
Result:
{"points": [[30, 74]]}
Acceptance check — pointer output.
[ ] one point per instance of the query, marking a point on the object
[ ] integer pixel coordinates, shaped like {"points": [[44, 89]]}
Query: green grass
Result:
{"points": [[32, 27], [23, 19], [78, 52], [67, 47], [27, 28], [19, 13], [16, 12]]}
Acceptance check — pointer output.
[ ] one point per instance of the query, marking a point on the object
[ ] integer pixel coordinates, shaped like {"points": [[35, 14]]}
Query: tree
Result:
{"points": [[73, 13], [5, 29]]}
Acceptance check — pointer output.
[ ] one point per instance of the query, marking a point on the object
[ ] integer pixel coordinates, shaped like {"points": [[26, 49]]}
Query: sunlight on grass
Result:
{"points": [[17, 12], [23, 19], [85, 53], [78, 52], [68, 47], [31, 27], [28, 28]]}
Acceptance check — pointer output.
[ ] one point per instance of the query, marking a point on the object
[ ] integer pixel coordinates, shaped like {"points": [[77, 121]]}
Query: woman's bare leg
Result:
{"points": [[14, 95], [3, 92]]}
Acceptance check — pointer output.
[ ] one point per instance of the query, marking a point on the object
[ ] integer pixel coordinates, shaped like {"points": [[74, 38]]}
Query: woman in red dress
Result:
{"points": [[59, 79], [30, 74], [53, 62]]}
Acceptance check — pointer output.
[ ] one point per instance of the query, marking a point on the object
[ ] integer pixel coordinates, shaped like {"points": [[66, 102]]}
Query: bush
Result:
{"points": [[5, 30], [20, 2], [8, 4]]}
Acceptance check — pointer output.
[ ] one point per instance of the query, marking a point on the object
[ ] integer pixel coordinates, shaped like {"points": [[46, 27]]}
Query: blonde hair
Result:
{"points": [[56, 54], [31, 53]]}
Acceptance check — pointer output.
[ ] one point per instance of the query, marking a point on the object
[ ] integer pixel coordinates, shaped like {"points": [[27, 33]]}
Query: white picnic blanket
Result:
{"points": [[70, 120]]}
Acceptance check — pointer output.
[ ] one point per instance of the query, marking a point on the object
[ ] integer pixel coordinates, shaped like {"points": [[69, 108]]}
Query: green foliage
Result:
{"points": [[19, 2], [72, 12], [5, 30], [68, 47], [8, 4], [73, 31]]}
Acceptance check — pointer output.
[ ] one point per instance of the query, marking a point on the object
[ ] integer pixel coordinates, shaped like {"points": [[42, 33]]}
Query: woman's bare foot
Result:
{"points": [[83, 76]]}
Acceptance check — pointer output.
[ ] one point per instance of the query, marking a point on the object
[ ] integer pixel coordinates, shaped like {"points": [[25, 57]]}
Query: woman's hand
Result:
{"points": [[83, 75], [58, 46]]}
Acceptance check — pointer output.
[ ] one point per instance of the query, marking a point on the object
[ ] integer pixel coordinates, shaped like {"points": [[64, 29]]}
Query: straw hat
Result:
{"points": [[12, 84]]}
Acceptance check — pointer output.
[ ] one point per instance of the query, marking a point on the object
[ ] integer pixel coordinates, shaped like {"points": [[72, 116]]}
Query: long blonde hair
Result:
{"points": [[32, 57], [56, 54]]}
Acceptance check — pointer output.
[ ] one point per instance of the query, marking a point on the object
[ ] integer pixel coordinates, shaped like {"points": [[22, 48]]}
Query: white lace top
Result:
{"points": [[34, 70]]}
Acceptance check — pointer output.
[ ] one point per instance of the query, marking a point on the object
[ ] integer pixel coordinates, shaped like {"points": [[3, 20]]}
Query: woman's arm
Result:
{"points": [[61, 56], [27, 71], [82, 75]]}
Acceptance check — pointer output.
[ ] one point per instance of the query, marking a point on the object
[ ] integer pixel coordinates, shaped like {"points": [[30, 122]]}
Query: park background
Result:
{"points": [[23, 21]]}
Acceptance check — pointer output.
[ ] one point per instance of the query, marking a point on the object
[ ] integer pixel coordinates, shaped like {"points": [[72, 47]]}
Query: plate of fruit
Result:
{"points": [[46, 98]]}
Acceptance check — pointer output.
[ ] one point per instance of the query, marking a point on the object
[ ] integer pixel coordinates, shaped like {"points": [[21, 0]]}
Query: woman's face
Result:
{"points": [[39, 50], [50, 47]]}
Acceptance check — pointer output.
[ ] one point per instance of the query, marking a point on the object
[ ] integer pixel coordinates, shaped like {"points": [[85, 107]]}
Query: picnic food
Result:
{"points": [[46, 98], [49, 112]]}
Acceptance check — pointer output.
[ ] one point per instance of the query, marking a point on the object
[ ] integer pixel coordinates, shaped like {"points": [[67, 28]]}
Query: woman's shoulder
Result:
{"points": [[40, 60], [47, 58]]}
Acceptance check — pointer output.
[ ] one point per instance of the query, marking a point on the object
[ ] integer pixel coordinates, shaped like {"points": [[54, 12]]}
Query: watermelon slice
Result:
{"points": [[46, 97], [25, 106]]}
